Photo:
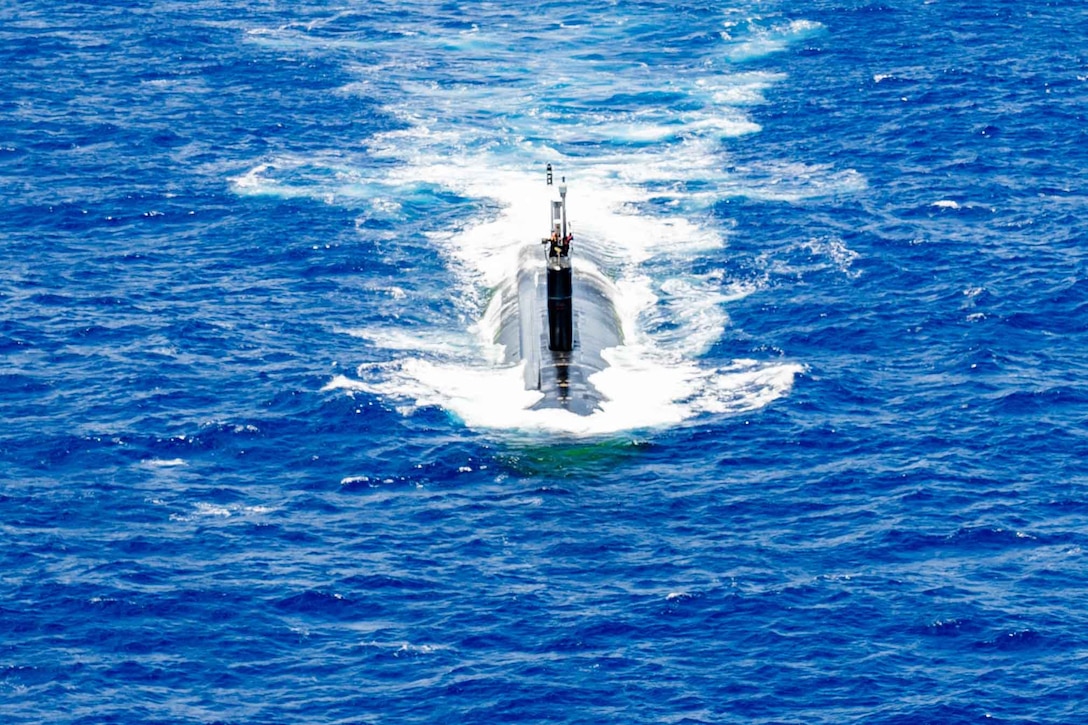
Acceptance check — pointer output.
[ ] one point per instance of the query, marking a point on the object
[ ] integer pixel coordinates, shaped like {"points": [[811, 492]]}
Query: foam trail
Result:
{"points": [[641, 145]]}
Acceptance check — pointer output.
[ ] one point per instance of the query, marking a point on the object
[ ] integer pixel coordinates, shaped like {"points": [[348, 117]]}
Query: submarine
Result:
{"points": [[558, 316]]}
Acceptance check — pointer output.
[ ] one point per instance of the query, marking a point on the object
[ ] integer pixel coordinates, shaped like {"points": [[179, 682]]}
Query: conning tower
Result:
{"points": [[560, 283]]}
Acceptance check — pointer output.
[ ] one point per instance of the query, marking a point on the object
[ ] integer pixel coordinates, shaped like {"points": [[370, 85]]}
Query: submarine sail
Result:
{"points": [[560, 285]]}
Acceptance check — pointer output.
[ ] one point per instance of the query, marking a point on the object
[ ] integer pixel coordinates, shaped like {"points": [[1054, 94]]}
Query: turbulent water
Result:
{"points": [[262, 459]]}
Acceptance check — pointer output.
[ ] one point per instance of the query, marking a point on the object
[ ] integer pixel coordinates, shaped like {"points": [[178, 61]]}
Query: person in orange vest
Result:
{"points": [[554, 249]]}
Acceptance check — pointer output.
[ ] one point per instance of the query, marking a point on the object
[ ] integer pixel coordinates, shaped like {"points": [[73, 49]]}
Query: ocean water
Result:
{"points": [[261, 461]]}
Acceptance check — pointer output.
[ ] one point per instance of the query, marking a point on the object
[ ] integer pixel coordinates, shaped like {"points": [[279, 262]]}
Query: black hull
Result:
{"points": [[560, 309], [586, 326]]}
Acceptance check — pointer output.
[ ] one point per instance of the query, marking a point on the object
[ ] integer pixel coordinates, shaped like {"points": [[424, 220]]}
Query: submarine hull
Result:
{"points": [[587, 326]]}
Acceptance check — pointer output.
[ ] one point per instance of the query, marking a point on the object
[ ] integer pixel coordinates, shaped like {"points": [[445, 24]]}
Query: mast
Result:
{"points": [[563, 203]]}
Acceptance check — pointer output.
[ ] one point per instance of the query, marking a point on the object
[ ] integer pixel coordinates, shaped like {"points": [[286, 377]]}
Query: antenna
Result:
{"points": [[563, 196]]}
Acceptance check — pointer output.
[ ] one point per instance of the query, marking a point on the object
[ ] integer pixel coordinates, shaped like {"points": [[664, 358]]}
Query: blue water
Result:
{"points": [[261, 463]]}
